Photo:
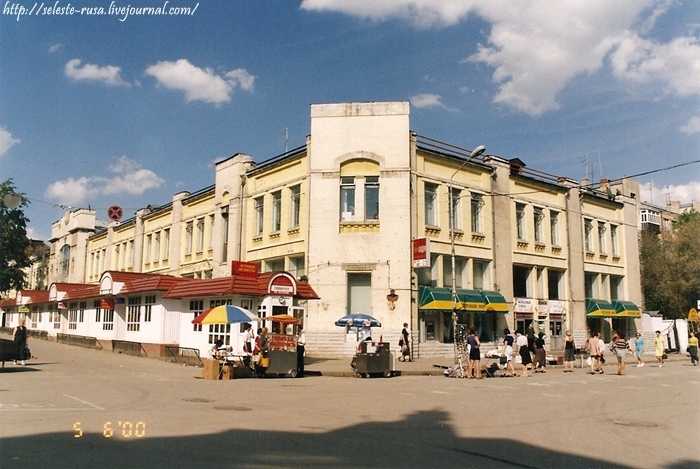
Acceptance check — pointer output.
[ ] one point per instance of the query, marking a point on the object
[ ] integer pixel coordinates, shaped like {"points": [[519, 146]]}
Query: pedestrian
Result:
{"points": [[19, 336], [569, 352], [508, 351], [540, 354], [639, 349], [621, 347], [405, 344], [474, 354], [601, 349], [301, 344], [593, 348], [248, 339], [659, 348], [523, 351], [693, 348], [531, 338]]}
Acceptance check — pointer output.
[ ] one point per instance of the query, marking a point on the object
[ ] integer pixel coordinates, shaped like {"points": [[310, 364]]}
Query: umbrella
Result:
{"points": [[358, 320], [283, 318], [225, 314]]}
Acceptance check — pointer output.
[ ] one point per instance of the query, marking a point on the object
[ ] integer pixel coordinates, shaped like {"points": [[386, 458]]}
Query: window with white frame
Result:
{"points": [[131, 254], [73, 315], [347, 198], [55, 318], [189, 228], [259, 215], [614, 241], [554, 227], [430, 204], [117, 252], [108, 320], [588, 235], [295, 206], [156, 247], [148, 248], [520, 221], [220, 331], [97, 306], [477, 202], [601, 237], [82, 306], [200, 235], [538, 219], [456, 209], [211, 231], [65, 261], [148, 302], [371, 197], [224, 234], [196, 308], [166, 243], [133, 314], [276, 211]]}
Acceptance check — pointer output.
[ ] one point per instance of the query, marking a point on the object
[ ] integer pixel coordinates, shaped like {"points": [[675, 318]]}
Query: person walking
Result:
{"points": [[621, 347], [405, 344], [540, 354], [474, 354], [301, 344], [639, 349], [508, 342], [601, 349], [523, 351], [19, 337], [569, 353], [659, 348], [593, 348], [693, 348]]}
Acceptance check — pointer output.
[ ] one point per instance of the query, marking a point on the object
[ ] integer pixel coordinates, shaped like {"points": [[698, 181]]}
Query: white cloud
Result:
{"points": [[426, 100], [54, 47], [200, 84], [129, 177], [108, 74], [685, 193], [692, 127], [7, 141]]}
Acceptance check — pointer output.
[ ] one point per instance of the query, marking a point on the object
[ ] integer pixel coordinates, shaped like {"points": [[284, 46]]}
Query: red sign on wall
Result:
{"points": [[244, 269], [421, 253]]}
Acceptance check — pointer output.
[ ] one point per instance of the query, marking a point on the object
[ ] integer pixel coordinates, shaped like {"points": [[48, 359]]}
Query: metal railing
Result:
{"points": [[184, 355], [128, 348], [79, 340]]}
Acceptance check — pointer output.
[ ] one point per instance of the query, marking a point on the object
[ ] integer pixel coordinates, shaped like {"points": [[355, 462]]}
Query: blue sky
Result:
{"points": [[107, 110]]}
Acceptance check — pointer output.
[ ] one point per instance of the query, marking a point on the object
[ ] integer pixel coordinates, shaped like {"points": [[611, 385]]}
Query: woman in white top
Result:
{"points": [[523, 350]]}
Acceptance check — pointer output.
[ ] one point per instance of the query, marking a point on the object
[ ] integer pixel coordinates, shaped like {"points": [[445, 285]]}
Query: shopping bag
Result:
{"points": [[589, 361], [27, 354]]}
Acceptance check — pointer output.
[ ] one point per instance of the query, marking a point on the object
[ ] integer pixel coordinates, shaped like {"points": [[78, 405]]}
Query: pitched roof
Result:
{"points": [[136, 282], [32, 297], [233, 285], [74, 291]]}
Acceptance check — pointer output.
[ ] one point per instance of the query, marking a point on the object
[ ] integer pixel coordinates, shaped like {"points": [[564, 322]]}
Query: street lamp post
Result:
{"points": [[475, 152]]}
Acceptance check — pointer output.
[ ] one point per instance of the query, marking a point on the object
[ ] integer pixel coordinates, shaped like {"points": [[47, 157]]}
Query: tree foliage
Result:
{"points": [[14, 244], [670, 267]]}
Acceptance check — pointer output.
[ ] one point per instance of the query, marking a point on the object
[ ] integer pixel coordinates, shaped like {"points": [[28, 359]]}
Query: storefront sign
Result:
{"points": [[244, 269], [421, 253], [281, 285], [555, 307], [524, 305]]}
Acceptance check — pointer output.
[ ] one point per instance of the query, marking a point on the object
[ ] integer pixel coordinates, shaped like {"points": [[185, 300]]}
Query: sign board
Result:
{"points": [[115, 213], [244, 269], [524, 305], [281, 285], [421, 253], [555, 306]]}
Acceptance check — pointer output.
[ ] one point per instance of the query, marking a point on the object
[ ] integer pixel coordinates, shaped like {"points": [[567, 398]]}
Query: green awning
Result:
{"points": [[626, 309], [600, 308], [470, 301]]}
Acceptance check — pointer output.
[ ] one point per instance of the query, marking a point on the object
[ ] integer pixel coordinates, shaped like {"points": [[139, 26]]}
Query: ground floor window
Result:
{"points": [[133, 314], [72, 316], [196, 308], [108, 320], [55, 318], [220, 331]]}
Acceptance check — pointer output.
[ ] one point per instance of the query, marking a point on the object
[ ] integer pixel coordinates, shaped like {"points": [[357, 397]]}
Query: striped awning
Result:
{"points": [[600, 308], [470, 301], [626, 309]]}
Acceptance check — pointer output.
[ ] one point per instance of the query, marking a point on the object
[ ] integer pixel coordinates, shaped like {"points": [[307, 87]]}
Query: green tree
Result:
{"points": [[670, 267], [14, 244]]}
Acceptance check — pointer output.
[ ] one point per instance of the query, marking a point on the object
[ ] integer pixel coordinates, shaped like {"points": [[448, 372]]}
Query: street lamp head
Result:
{"points": [[477, 151]]}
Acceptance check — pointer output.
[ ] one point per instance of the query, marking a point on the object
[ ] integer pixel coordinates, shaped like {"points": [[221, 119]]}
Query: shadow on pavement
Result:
{"points": [[424, 439]]}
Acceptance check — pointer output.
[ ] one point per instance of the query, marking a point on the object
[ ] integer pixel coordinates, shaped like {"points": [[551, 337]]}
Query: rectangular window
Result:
{"points": [[147, 249], [196, 308], [220, 331], [98, 310], [613, 240], [296, 206], [72, 316], [371, 197], [521, 282], [166, 243], [591, 285], [601, 237], [259, 215], [554, 227], [460, 264], [431, 204], [359, 293], [224, 235], [148, 302], [189, 228], [133, 314], [616, 292], [297, 266], [481, 275], [456, 209], [554, 284], [347, 198], [108, 320], [82, 306], [276, 211], [588, 235], [211, 232], [200, 235], [520, 221], [55, 318], [156, 247], [131, 254], [539, 221], [477, 202], [116, 256]]}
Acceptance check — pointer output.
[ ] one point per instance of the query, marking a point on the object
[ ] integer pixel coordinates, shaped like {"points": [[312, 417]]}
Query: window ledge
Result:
{"points": [[478, 237], [590, 255], [540, 247], [556, 249], [257, 239], [432, 229], [294, 230], [522, 244], [274, 235]]}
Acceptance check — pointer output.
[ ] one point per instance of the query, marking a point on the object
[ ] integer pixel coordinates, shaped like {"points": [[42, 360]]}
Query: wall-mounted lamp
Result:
{"points": [[392, 297]]}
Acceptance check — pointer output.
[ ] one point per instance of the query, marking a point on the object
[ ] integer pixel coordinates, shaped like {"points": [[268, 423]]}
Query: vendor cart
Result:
{"points": [[374, 359], [282, 352]]}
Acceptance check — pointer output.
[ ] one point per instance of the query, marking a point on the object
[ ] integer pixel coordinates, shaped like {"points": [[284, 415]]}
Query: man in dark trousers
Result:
{"points": [[301, 343]]}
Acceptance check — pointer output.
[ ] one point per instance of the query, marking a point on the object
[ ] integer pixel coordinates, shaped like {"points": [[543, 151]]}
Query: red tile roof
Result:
{"points": [[34, 296], [77, 291], [136, 282], [8, 303], [233, 285]]}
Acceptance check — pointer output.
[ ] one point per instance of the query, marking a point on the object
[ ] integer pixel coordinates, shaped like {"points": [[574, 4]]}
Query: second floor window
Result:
{"points": [[539, 221], [65, 260], [276, 211], [200, 235], [259, 215], [347, 198], [296, 206], [372, 198], [601, 237], [588, 235], [188, 237], [554, 227], [520, 221], [456, 209], [477, 202], [613, 240], [430, 204]]}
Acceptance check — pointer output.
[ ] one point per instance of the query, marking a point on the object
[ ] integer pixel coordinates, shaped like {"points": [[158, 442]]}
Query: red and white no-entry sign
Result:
{"points": [[115, 213]]}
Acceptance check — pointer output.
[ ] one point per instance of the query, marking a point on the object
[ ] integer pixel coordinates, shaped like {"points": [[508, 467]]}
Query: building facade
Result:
{"points": [[349, 211]]}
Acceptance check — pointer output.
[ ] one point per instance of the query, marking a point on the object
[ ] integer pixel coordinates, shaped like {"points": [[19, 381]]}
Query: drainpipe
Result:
{"points": [[240, 217]]}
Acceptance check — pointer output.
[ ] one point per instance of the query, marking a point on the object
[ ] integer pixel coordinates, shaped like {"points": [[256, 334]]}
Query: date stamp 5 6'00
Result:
{"points": [[121, 12]]}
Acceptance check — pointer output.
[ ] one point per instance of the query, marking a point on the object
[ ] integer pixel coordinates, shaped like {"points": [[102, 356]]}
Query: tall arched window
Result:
{"points": [[64, 267]]}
